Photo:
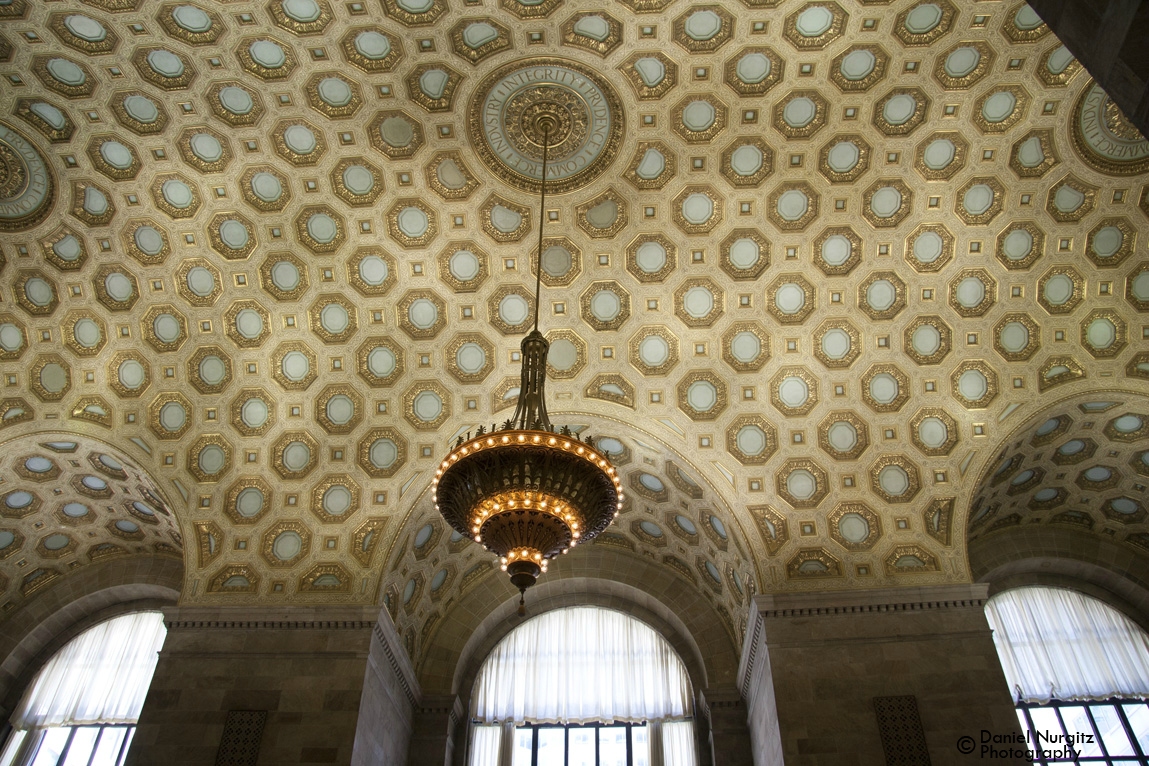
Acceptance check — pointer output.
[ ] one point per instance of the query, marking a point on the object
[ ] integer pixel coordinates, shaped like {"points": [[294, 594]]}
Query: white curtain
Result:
{"points": [[1056, 643], [678, 743], [579, 665], [101, 676], [485, 745]]}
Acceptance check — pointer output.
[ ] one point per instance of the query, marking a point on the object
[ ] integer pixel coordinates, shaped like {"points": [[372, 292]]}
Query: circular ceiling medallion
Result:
{"points": [[25, 185], [1105, 138], [579, 111]]}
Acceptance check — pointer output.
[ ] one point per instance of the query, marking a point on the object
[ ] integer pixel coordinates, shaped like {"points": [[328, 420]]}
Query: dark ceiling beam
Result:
{"points": [[1111, 40]]}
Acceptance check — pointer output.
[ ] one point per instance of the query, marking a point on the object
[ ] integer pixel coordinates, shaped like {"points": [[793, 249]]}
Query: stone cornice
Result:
{"points": [[269, 624], [720, 698], [447, 704], [257, 618], [878, 600], [749, 653]]}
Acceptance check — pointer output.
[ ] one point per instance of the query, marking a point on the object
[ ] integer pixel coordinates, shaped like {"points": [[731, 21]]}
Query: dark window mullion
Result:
{"points": [[1064, 728], [1129, 730], [96, 744], [1032, 733], [129, 732], [1097, 732], [67, 745]]}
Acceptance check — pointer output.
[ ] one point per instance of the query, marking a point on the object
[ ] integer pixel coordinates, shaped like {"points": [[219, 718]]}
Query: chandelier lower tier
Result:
{"points": [[527, 495]]}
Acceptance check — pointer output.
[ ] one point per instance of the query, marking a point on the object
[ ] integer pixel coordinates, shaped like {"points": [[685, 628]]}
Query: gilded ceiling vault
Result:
{"points": [[839, 285]]}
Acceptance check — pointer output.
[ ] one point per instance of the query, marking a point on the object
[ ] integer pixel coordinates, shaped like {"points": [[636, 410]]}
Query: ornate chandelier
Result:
{"points": [[527, 492]]}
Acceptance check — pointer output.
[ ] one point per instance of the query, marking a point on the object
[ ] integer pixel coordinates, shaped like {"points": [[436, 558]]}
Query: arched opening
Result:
{"points": [[586, 686], [1061, 502], [82, 705], [1080, 672], [677, 534]]}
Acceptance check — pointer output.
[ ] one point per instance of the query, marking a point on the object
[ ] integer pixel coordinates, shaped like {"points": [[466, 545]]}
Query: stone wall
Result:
{"points": [[818, 669], [387, 711], [334, 685], [304, 666]]}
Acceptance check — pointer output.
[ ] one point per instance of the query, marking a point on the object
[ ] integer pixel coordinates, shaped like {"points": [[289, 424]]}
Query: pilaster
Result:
{"points": [[728, 738]]}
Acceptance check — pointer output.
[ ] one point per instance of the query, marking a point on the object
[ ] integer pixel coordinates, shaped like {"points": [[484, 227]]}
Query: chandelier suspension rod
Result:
{"points": [[542, 215]]}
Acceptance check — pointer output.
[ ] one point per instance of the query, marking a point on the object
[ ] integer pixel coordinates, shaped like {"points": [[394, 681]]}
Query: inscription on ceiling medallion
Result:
{"points": [[1105, 138], [25, 185], [582, 111]]}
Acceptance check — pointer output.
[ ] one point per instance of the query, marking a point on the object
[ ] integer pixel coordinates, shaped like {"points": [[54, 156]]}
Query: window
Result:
{"points": [[594, 744], [582, 687], [81, 708], [1115, 731], [80, 745], [1080, 672]]}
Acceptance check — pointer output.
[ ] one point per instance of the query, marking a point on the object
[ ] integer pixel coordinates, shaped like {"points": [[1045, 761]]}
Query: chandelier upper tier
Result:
{"points": [[527, 492]]}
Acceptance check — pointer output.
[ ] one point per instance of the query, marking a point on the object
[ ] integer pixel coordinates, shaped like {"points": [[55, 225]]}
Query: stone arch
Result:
{"points": [[38, 628], [1070, 536], [71, 501], [598, 575], [679, 553], [579, 591], [1062, 558]]}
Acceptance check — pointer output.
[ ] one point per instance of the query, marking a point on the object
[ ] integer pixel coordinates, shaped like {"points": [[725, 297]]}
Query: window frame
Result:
{"points": [[1116, 703], [596, 725], [32, 747]]}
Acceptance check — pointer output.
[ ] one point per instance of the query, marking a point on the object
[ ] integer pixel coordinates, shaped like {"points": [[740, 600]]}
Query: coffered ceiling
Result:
{"points": [[809, 268]]}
